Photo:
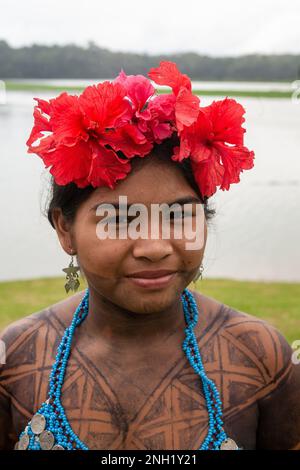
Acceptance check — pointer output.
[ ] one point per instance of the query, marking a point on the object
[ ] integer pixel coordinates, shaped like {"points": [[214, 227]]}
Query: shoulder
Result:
{"points": [[34, 328], [248, 340], [27, 350]]}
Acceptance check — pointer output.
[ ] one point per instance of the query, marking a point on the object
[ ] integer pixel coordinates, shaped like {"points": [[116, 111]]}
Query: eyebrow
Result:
{"points": [[181, 201]]}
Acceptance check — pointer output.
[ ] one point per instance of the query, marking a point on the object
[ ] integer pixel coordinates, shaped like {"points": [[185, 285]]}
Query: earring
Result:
{"points": [[199, 274], [72, 277]]}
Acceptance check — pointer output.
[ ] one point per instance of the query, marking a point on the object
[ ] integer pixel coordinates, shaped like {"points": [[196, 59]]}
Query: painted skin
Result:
{"points": [[152, 399]]}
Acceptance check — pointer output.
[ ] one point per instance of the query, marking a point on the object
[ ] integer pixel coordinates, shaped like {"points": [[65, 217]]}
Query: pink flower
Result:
{"points": [[152, 114]]}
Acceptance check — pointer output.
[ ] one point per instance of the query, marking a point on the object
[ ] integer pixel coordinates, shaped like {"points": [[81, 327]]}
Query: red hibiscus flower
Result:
{"points": [[214, 144], [80, 129]]}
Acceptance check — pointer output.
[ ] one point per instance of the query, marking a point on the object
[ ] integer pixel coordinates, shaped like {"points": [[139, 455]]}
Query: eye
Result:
{"points": [[119, 219], [122, 219], [176, 215], [179, 215]]}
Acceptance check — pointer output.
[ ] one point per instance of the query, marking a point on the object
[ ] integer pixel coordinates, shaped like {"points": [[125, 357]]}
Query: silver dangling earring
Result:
{"points": [[199, 274], [72, 276]]}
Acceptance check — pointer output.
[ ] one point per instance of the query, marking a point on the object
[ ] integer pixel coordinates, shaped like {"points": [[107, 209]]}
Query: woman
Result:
{"points": [[138, 361]]}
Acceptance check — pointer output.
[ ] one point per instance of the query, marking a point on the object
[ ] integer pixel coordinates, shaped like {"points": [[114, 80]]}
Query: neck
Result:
{"points": [[115, 325]]}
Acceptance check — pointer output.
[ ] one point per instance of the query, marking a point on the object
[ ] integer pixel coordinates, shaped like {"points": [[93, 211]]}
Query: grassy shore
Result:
{"points": [[15, 86], [278, 303]]}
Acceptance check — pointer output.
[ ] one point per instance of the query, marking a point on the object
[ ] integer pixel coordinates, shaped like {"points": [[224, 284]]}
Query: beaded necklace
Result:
{"points": [[49, 428]]}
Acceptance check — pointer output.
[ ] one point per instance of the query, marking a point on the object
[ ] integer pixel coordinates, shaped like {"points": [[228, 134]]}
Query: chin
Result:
{"points": [[152, 302]]}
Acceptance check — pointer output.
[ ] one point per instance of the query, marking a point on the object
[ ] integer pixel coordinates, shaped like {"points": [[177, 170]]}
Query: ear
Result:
{"points": [[64, 231]]}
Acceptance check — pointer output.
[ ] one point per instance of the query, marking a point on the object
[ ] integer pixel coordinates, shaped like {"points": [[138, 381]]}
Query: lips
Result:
{"points": [[151, 274], [152, 279]]}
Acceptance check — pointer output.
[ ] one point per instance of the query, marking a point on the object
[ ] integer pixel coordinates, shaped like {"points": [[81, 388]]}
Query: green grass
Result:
{"points": [[277, 303], [242, 93], [21, 298], [15, 86]]}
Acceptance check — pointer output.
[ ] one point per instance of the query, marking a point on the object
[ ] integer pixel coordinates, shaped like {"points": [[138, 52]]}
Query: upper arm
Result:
{"points": [[279, 407], [7, 436], [22, 339], [275, 380]]}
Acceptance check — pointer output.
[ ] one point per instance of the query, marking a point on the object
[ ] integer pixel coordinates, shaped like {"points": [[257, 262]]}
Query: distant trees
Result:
{"points": [[72, 61]]}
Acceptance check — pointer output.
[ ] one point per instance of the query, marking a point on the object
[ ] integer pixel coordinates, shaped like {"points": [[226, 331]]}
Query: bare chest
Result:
{"points": [[147, 406], [150, 404]]}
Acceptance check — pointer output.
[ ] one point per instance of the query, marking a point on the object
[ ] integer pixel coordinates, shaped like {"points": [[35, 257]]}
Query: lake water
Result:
{"points": [[255, 234]]}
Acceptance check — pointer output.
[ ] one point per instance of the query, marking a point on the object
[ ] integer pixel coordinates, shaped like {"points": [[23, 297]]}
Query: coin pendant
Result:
{"points": [[38, 423], [46, 439], [57, 447], [23, 442], [229, 444]]}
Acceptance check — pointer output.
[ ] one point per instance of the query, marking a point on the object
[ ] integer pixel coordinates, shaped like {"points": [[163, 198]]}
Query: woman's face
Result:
{"points": [[107, 263]]}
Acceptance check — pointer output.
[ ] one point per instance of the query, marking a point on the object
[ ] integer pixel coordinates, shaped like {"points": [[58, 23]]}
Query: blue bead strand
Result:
{"points": [[58, 374], [52, 409], [216, 434]]}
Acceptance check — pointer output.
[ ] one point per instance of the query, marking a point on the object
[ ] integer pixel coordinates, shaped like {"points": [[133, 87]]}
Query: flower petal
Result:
{"points": [[235, 160], [138, 88], [160, 131], [106, 168], [129, 140], [163, 107], [186, 108], [41, 122], [208, 174], [227, 119], [105, 106], [168, 74], [69, 163], [67, 120], [194, 140]]}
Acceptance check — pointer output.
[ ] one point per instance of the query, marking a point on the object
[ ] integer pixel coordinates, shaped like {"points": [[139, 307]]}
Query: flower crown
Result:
{"points": [[79, 137]]}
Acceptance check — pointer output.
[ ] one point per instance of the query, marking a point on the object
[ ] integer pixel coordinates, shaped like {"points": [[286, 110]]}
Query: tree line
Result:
{"points": [[73, 61]]}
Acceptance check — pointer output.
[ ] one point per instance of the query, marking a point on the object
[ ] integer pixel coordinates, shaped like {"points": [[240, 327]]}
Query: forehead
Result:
{"points": [[149, 182]]}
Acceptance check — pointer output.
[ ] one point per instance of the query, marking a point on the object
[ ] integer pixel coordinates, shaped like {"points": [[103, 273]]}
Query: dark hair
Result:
{"points": [[69, 197]]}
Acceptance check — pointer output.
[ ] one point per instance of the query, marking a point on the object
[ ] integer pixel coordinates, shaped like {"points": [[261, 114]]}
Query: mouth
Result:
{"points": [[152, 279]]}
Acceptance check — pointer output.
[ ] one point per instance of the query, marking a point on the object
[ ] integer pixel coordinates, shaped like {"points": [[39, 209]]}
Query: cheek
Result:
{"points": [[99, 257], [191, 258], [191, 248]]}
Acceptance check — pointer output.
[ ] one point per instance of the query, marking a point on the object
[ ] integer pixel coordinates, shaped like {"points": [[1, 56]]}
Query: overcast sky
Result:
{"points": [[213, 27]]}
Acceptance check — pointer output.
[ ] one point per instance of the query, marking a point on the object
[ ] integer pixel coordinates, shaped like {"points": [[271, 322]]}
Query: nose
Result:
{"points": [[154, 250]]}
